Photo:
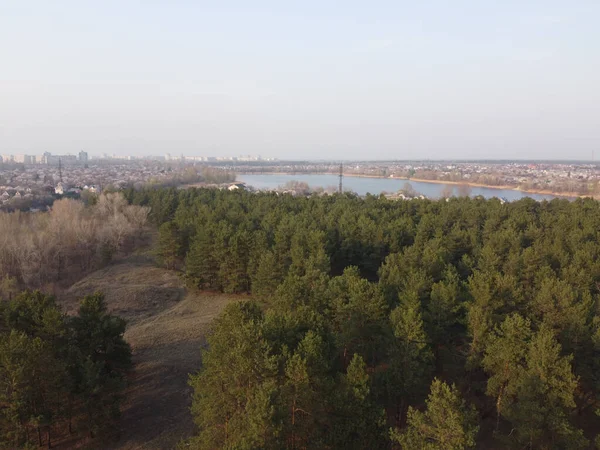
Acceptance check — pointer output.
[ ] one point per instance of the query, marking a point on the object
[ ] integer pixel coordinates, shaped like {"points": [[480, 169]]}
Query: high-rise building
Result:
{"points": [[25, 159], [83, 157], [53, 160]]}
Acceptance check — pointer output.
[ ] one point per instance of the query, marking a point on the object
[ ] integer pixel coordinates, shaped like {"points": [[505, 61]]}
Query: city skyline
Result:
{"points": [[32, 158]]}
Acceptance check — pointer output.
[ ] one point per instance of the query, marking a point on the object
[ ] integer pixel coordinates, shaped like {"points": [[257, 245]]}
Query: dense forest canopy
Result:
{"points": [[370, 323], [383, 324]]}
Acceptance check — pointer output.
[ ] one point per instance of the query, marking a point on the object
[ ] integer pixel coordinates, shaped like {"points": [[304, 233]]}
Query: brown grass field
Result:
{"points": [[166, 329]]}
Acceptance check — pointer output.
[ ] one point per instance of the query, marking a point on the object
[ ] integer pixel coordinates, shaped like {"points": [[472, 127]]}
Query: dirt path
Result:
{"points": [[166, 350]]}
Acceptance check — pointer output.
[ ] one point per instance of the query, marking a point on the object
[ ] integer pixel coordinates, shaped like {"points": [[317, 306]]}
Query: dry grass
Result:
{"points": [[166, 329], [133, 288]]}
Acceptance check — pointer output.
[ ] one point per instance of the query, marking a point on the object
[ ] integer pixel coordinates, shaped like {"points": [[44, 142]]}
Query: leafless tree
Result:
{"points": [[464, 190], [448, 191], [41, 248]]}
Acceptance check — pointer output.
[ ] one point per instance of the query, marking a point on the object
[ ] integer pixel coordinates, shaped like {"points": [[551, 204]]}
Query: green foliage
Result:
{"points": [[533, 384], [237, 381], [32, 386], [201, 268], [411, 360], [447, 423], [463, 289], [360, 420], [169, 248], [267, 276], [359, 314], [100, 358], [53, 368]]}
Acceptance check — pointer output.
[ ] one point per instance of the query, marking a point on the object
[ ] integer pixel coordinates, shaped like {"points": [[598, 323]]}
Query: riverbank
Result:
{"points": [[502, 187], [423, 180]]}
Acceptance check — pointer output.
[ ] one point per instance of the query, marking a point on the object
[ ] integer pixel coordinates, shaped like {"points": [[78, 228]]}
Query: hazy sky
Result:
{"points": [[302, 79]]}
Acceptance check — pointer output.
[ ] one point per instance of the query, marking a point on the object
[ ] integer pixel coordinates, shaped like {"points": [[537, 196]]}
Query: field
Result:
{"points": [[166, 329]]}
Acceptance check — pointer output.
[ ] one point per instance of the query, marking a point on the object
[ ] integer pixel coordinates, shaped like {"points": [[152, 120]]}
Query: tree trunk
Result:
{"points": [[293, 424], [498, 405], [39, 436], [70, 408], [402, 406]]}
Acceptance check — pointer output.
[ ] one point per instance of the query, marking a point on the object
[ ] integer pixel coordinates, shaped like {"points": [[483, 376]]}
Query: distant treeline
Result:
{"points": [[173, 177], [383, 324]]}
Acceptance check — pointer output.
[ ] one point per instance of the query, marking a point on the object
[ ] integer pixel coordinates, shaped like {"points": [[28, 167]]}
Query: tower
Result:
{"points": [[60, 169], [341, 176]]}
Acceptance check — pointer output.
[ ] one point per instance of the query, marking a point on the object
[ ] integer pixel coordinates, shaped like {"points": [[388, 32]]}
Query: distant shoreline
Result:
{"points": [[422, 180]]}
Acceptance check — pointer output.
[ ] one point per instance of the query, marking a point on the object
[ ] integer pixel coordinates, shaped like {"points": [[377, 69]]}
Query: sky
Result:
{"points": [[308, 79]]}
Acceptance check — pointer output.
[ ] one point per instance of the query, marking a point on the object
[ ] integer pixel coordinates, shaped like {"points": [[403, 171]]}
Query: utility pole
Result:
{"points": [[341, 176]]}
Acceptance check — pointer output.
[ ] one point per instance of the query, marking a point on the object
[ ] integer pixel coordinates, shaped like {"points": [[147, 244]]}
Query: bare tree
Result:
{"points": [[448, 191], [36, 249], [464, 190]]}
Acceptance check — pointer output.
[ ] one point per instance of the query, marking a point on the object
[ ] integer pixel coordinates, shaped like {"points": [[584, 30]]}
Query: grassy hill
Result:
{"points": [[166, 329]]}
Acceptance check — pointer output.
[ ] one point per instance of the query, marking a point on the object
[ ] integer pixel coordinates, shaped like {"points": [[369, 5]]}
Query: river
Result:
{"points": [[362, 186]]}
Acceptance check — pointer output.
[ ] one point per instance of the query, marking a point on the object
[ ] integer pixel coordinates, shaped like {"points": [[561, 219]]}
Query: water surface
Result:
{"points": [[376, 186]]}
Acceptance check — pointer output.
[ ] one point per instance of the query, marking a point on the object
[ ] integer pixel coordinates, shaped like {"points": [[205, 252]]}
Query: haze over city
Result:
{"points": [[313, 80]]}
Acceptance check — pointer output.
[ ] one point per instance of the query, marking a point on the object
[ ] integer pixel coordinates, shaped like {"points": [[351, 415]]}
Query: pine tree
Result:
{"points": [[411, 360], [358, 421], [99, 359], [443, 308], [201, 267], [447, 423], [300, 398], [545, 391], [233, 271], [504, 360], [559, 307], [236, 380], [169, 249], [267, 276], [533, 385], [359, 316], [32, 388]]}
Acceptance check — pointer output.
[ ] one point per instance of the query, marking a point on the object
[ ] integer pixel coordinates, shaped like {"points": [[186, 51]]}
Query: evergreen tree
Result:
{"points": [[443, 309], [532, 384], [32, 388], [411, 360], [267, 276], [233, 271], [98, 361], [236, 379], [359, 421], [201, 267], [545, 397], [558, 306], [447, 423], [359, 316], [504, 360], [301, 400], [169, 249]]}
